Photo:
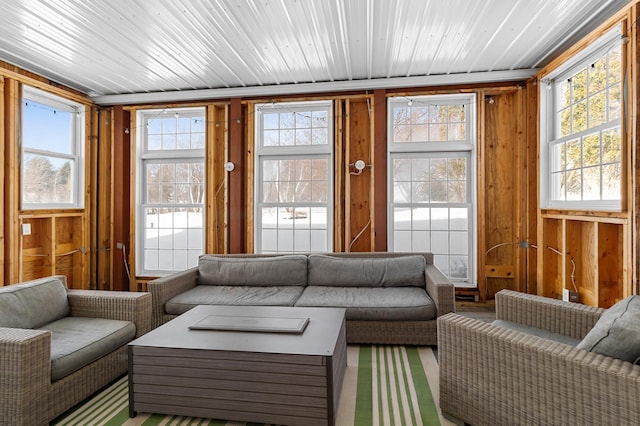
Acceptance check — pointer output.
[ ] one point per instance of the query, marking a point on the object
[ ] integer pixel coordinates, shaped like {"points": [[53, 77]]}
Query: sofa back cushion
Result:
{"points": [[253, 271], [33, 304], [366, 272]]}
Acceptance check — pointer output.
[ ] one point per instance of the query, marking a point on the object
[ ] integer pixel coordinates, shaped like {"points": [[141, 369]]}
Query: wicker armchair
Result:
{"points": [[28, 395], [491, 375]]}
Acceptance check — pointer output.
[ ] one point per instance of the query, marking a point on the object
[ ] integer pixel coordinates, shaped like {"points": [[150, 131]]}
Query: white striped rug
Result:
{"points": [[383, 385]]}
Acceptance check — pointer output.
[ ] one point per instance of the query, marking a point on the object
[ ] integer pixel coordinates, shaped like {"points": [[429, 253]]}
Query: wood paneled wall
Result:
{"points": [[504, 191], [357, 142], [360, 211], [59, 241], [510, 223]]}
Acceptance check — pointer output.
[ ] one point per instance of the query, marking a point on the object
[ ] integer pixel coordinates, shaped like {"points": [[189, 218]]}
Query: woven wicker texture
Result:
{"points": [[438, 286], [495, 376], [28, 396]]}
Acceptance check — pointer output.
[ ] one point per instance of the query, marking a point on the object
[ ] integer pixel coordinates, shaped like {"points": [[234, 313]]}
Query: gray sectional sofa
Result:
{"points": [[59, 346], [390, 298]]}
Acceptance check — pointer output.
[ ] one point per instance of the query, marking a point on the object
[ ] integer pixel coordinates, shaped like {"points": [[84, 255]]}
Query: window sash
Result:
{"points": [[172, 233], [73, 155], [453, 244], [465, 103], [301, 220], [413, 226], [556, 173]]}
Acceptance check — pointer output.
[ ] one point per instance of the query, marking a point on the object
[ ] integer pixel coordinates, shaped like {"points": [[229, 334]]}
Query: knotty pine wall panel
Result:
{"points": [[503, 192]]}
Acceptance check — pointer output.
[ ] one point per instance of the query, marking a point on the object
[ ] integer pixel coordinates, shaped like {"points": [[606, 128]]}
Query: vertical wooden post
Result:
{"points": [[104, 244], [358, 184], [215, 157], [481, 185], [633, 126], [532, 186], [237, 214], [2, 206], [120, 160], [380, 170], [339, 179], [11, 185]]}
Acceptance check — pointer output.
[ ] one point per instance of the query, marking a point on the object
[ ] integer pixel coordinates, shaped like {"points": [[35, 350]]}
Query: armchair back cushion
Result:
{"points": [[616, 332], [405, 271], [288, 270], [34, 304]]}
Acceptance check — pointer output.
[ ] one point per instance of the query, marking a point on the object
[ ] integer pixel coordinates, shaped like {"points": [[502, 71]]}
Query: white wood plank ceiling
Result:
{"points": [[120, 47]]}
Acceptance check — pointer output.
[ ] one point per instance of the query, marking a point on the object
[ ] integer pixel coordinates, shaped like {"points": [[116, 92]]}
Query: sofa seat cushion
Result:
{"points": [[287, 270], [616, 332], [34, 303], [232, 295], [378, 303], [78, 341], [400, 271], [549, 335]]}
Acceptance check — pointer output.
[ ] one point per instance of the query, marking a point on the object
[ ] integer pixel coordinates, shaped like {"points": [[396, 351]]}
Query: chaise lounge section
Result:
{"points": [[390, 298]]}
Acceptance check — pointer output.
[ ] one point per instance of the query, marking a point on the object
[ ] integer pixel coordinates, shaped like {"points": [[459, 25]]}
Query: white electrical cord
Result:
{"points": [[500, 245], [573, 265], [124, 259], [359, 234]]}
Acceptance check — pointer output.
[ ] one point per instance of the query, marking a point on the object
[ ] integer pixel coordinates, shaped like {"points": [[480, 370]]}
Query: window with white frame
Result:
{"points": [[431, 148], [293, 185], [581, 129], [52, 142], [171, 189]]}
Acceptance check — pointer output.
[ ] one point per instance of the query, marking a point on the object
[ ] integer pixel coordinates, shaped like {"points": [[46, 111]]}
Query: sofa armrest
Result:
{"points": [[566, 318], [25, 369], [117, 305], [164, 288], [494, 375], [440, 289]]}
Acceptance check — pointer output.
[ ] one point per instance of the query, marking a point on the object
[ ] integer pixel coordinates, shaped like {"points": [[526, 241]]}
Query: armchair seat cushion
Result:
{"points": [[78, 341], [534, 331], [233, 295], [616, 332], [377, 303]]}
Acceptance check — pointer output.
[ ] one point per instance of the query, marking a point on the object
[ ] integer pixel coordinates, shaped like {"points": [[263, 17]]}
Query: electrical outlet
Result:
{"points": [[119, 246], [26, 229], [570, 296]]}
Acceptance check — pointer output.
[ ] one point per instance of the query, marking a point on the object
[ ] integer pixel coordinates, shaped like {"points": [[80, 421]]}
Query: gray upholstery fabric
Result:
{"points": [[288, 270], [556, 337], [34, 304], [379, 303], [617, 332], [233, 295], [366, 272], [78, 341]]}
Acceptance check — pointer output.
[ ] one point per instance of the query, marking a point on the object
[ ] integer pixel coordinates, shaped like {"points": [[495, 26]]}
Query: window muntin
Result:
{"points": [[584, 147], [294, 179], [52, 151], [281, 128], [429, 123], [431, 181], [171, 191]]}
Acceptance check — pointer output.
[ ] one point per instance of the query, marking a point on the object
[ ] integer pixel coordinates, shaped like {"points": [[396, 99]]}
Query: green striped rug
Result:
{"points": [[383, 385]]}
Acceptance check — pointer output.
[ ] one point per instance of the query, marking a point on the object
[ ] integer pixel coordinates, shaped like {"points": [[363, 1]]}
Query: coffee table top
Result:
{"points": [[318, 338]]}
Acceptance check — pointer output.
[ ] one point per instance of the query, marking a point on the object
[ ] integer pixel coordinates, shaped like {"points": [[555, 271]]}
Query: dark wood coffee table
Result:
{"points": [[276, 377]]}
